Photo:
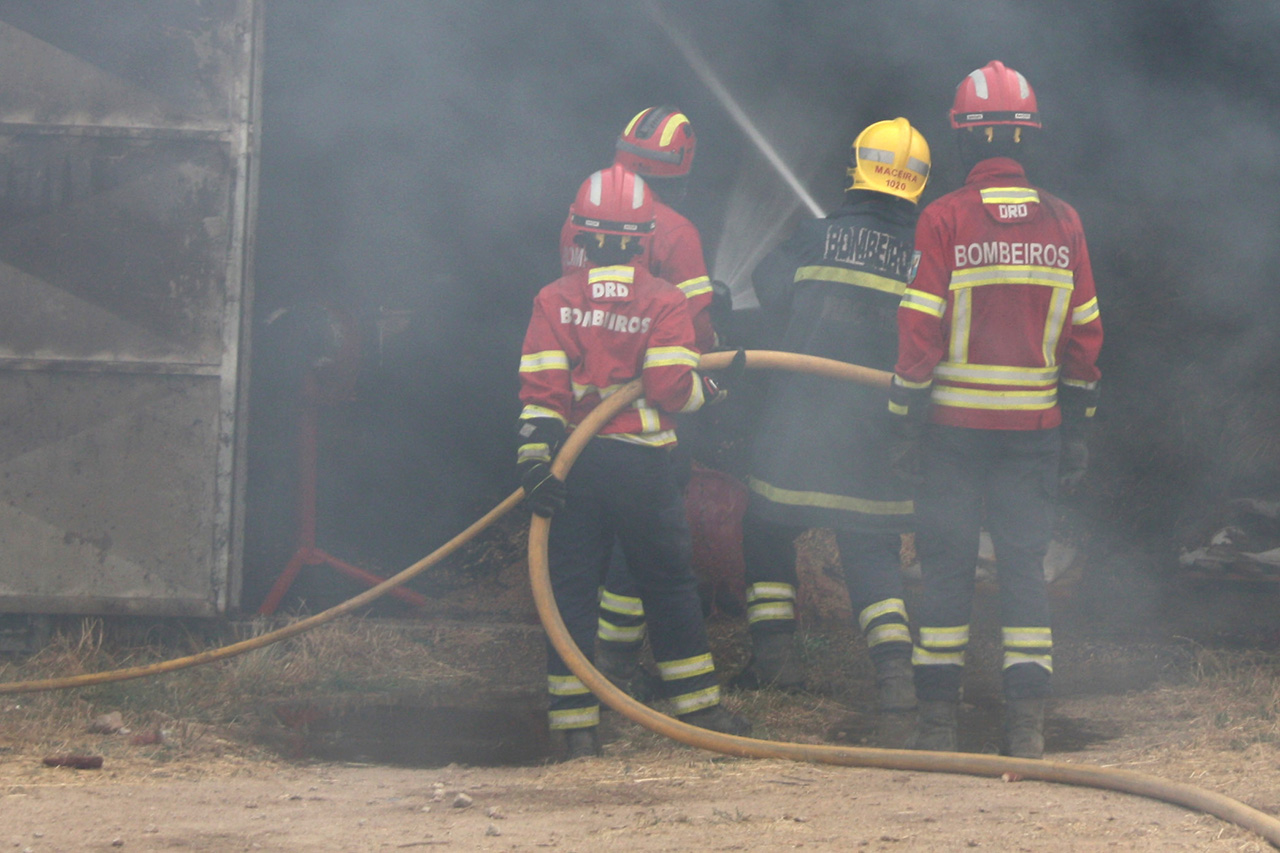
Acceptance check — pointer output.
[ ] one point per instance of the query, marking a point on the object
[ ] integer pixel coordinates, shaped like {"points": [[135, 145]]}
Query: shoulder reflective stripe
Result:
{"points": [[857, 278], [618, 273], [1012, 274], [918, 300], [846, 503], [1009, 195], [1055, 321], [890, 606], [552, 359], [1085, 313], [532, 411], [771, 589], [961, 316], [976, 398], [674, 670], [695, 286], [670, 357], [995, 374], [944, 638]]}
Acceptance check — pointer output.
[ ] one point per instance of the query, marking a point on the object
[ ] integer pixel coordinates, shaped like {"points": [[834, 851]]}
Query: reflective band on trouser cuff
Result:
{"points": [[574, 718], [674, 670], [532, 411], [894, 606], [626, 605], [926, 303], [941, 646], [769, 611], [607, 630], [566, 685], [758, 591], [1028, 645], [687, 703], [534, 453], [889, 632], [822, 500]]}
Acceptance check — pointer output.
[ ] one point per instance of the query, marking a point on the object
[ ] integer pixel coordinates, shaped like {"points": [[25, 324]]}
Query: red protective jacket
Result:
{"points": [[1002, 307], [598, 328], [675, 255]]}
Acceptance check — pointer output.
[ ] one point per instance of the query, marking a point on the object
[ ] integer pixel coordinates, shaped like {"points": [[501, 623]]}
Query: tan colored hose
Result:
{"points": [[1125, 781]]}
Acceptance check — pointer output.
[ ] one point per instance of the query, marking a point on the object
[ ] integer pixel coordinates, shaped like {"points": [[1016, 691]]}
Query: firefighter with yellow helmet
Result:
{"points": [[819, 457], [996, 380]]}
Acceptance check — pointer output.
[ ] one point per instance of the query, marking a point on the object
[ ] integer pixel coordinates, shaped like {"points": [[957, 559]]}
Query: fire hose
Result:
{"points": [[1124, 781]]}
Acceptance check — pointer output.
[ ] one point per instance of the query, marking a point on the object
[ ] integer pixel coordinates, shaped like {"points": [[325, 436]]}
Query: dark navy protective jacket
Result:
{"points": [[820, 453]]}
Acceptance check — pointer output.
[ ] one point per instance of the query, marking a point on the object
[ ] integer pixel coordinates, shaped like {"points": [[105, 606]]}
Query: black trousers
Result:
{"points": [[1007, 479], [628, 493]]}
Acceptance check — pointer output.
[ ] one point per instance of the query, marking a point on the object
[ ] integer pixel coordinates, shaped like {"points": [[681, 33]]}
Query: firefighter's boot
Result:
{"points": [[1024, 728], [581, 743], [773, 663], [620, 663], [718, 718], [935, 726], [895, 685]]}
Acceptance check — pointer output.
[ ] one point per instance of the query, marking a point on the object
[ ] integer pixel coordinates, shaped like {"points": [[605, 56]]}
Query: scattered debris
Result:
{"points": [[461, 801], [107, 724], [77, 762]]}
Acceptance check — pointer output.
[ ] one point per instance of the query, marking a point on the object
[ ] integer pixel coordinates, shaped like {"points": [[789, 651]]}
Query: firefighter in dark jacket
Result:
{"points": [[999, 334], [591, 332], [820, 452]]}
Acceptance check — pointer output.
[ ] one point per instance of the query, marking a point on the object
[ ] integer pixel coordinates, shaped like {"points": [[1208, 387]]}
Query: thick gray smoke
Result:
{"points": [[422, 156]]}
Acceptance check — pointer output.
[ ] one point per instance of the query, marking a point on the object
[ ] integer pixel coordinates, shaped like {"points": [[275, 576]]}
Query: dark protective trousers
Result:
{"points": [[1009, 479], [872, 575], [629, 493]]}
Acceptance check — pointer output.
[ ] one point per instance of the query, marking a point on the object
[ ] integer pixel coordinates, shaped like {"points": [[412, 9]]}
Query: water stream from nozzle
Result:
{"points": [[752, 222], [708, 76]]}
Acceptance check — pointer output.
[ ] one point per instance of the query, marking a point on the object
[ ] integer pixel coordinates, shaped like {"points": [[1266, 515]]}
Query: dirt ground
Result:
{"points": [[1192, 700]]}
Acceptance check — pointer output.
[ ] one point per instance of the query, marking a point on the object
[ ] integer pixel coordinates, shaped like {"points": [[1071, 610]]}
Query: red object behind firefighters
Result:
{"points": [[715, 504], [328, 382]]}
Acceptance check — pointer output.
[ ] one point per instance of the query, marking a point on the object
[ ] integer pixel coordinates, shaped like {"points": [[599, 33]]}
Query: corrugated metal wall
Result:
{"points": [[127, 159]]}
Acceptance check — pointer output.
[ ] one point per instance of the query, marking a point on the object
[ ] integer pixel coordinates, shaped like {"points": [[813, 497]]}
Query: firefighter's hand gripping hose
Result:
{"points": [[937, 762]]}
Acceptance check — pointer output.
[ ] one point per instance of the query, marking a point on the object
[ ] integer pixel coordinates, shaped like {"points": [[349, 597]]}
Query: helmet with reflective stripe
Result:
{"points": [[890, 157], [994, 95], [613, 201], [657, 143]]}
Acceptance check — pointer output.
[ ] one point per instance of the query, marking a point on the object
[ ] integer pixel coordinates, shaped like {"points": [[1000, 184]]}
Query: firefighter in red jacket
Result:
{"points": [[591, 332], [658, 144], [996, 380]]}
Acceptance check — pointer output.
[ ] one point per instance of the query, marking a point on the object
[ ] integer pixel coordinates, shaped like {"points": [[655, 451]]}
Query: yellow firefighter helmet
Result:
{"points": [[890, 157]]}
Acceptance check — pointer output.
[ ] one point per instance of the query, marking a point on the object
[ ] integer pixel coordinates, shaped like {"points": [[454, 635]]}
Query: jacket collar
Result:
{"points": [[997, 170]]}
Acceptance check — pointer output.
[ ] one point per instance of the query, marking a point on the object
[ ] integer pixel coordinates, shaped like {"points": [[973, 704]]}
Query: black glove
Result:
{"points": [[715, 390], [1074, 462], [543, 491], [721, 308], [904, 450]]}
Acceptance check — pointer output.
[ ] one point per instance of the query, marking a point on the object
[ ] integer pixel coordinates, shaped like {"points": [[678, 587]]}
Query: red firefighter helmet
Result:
{"points": [[994, 95], [657, 143], [614, 201]]}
